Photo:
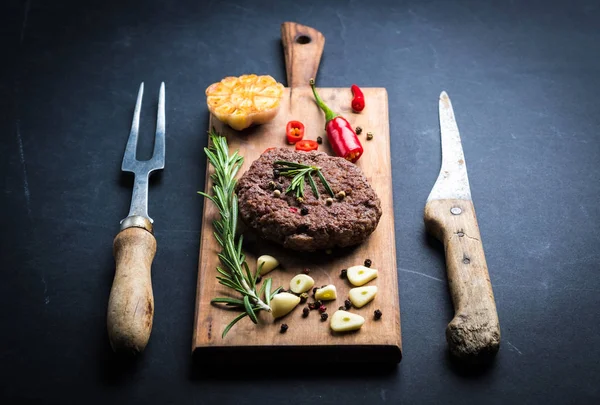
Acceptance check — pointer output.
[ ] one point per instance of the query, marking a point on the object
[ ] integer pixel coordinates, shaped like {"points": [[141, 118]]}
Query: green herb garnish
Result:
{"points": [[234, 272], [299, 173]]}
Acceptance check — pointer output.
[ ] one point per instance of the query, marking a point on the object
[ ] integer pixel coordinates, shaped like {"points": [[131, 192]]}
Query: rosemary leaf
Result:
{"points": [[224, 273], [235, 320], [290, 164], [267, 287], [274, 293], [262, 287], [239, 246], [218, 238], [257, 273], [250, 276], [249, 309], [313, 186], [325, 183], [238, 289], [234, 215], [226, 300], [299, 172]]}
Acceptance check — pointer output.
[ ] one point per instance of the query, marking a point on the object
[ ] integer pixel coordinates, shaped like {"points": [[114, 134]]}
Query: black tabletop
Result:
{"points": [[524, 78]]}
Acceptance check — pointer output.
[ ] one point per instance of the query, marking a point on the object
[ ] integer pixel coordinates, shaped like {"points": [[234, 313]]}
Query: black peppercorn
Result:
{"points": [[315, 290], [348, 304], [284, 328], [258, 279], [318, 303], [305, 312], [324, 316], [358, 130], [319, 140], [304, 211], [344, 273], [377, 314], [368, 263], [306, 271], [275, 173]]}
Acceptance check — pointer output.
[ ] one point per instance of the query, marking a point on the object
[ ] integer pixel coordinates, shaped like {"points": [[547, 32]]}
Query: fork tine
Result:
{"points": [[158, 156], [130, 149]]}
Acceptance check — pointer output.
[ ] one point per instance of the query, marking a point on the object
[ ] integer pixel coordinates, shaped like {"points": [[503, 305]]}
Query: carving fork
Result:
{"points": [[131, 302]]}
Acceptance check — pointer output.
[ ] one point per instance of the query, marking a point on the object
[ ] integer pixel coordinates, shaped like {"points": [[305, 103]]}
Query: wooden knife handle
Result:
{"points": [[303, 47], [474, 332], [131, 303]]}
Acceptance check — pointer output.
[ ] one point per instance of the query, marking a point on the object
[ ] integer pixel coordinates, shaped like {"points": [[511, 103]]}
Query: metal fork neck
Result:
{"points": [[139, 198]]}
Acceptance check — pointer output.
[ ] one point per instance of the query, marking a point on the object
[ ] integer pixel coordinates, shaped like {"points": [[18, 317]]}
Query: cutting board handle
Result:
{"points": [[303, 47]]}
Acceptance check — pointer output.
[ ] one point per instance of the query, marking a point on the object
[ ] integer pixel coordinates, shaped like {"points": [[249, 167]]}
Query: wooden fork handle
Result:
{"points": [[474, 332], [303, 47], [131, 302]]}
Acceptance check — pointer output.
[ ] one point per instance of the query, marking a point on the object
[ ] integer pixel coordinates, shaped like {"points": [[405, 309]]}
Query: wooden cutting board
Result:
{"points": [[377, 341]]}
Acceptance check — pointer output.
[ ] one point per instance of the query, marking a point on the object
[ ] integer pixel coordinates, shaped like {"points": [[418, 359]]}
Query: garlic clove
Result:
{"points": [[301, 283], [361, 296], [344, 321], [269, 264], [360, 275], [283, 303], [326, 293]]}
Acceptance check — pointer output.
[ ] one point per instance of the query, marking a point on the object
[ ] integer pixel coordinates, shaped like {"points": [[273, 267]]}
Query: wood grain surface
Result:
{"points": [[474, 332], [131, 303], [302, 47], [377, 341]]}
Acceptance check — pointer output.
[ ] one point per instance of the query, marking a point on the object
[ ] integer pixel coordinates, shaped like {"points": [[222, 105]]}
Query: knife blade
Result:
{"points": [[474, 332]]}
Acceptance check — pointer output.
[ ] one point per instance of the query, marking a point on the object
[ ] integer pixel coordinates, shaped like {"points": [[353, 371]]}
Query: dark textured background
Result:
{"points": [[524, 77]]}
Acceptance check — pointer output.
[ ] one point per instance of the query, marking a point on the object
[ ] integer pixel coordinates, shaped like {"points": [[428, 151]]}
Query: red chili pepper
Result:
{"points": [[358, 102], [340, 134], [307, 145], [294, 131]]}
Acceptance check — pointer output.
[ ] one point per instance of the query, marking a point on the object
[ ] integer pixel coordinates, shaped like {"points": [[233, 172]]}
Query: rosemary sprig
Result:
{"points": [[234, 272], [299, 173]]}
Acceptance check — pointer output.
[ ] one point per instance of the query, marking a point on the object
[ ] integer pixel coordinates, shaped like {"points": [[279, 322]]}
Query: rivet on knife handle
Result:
{"points": [[131, 303], [474, 332]]}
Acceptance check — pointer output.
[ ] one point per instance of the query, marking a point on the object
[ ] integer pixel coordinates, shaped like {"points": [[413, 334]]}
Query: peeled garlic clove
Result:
{"points": [[326, 293], [359, 275], [283, 303], [301, 283], [361, 296], [269, 264], [344, 321]]}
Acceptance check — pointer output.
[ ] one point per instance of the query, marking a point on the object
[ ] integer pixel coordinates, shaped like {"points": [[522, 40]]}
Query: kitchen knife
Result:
{"points": [[474, 332]]}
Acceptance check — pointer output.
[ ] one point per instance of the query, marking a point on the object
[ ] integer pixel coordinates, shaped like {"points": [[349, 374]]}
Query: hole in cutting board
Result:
{"points": [[303, 39]]}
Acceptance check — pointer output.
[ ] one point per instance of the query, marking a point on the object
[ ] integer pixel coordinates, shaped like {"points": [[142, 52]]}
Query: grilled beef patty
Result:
{"points": [[347, 221]]}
